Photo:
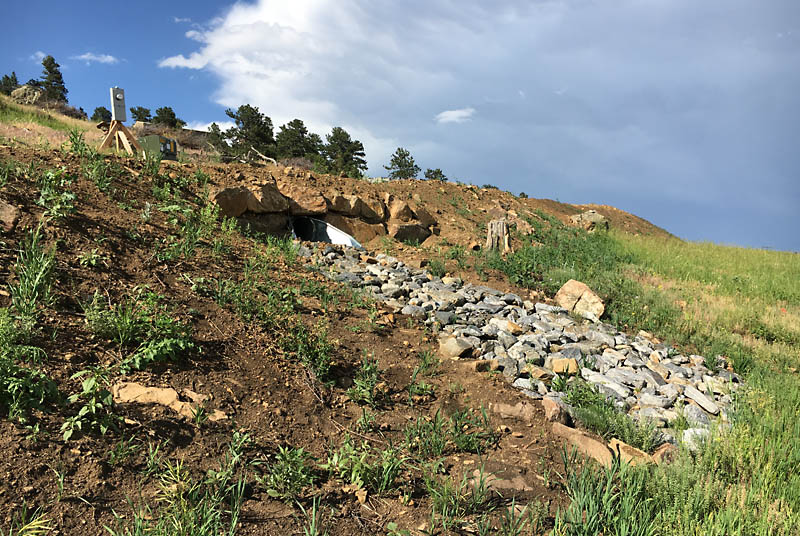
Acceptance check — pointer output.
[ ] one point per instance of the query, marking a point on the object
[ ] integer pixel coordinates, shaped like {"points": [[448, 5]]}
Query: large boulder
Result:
{"points": [[589, 220], [408, 232], [347, 205], [303, 201], [27, 95], [360, 230], [232, 201], [579, 298], [263, 198], [372, 210], [399, 210], [423, 216]]}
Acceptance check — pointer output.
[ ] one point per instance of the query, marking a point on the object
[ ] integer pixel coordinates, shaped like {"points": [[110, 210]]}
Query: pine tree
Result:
{"points": [[402, 165], [295, 141], [101, 113], [52, 81], [8, 83], [140, 113], [166, 116], [435, 175], [344, 155], [253, 129]]}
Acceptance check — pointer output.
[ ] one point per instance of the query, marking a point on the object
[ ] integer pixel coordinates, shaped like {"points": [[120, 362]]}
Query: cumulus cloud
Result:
{"points": [[38, 56], [90, 57], [205, 125], [455, 116], [615, 102]]}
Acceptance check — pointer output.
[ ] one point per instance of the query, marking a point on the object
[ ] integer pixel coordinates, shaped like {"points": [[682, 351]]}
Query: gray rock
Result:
{"points": [[652, 379], [693, 438], [413, 311], [523, 383], [701, 399], [654, 401], [445, 317], [696, 416], [627, 377]]}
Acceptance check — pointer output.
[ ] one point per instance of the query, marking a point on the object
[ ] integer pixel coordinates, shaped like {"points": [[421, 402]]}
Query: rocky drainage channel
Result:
{"points": [[530, 343]]}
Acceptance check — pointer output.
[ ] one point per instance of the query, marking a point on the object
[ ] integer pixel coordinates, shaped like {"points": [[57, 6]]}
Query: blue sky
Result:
{"points": [[686, 113]]}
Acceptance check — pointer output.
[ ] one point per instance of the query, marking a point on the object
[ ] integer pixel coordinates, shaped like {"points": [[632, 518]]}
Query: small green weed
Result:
{"points": [[365, 381], [289, 474], [96, 413]]}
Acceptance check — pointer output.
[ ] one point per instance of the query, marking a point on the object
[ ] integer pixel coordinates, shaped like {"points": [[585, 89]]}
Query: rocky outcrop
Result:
{"points": [[579, 298], [589, 220], [27, 95], [268, 205]]}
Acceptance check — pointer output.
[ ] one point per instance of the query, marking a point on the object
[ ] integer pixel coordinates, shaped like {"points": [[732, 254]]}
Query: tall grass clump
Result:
{"points": [[34, 278]]}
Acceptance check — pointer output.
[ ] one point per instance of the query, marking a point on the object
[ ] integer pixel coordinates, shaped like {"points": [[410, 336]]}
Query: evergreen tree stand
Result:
{"points": [[119, 134]]}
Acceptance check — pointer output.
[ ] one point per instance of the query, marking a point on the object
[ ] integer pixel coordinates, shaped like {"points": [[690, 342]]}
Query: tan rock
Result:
{"points": [[303, 201], [537, 373], [565, 365], [9, 216], [628, 454], [555, 411], [522, 410], [454, 347], [398, 209], [265, 198], [589, 220], [585, 444], [232, 201], [578, 297], [372, 210], [407, 231], [492, 482], [666, 453], [423, 216], [131, 392], [347, 205], [360, 230]]}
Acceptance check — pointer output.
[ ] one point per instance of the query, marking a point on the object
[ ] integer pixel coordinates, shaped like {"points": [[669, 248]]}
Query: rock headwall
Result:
{"points": [[268, 204]]}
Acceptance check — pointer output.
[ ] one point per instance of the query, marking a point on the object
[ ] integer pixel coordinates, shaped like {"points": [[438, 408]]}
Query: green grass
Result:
{"points": [[13, 113]]}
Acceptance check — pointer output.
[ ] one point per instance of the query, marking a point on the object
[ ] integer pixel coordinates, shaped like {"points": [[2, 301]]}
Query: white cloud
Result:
{"points": [[455, 116], [90, 57], [38, 56], [180, 20], [204, 126]]}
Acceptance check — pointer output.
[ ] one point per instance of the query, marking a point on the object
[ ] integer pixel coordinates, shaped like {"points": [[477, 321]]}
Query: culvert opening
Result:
{"points": [[314, 230]]}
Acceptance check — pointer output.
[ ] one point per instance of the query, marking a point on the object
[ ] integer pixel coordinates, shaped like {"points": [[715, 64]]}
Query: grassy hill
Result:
{"points": [[288, 402]]}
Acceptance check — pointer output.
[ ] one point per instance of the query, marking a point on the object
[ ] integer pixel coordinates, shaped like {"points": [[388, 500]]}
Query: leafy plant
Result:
{"points": [[34, 270], [56, 200], [365, 381], [289, 474], [96, 413], [365, 467]]}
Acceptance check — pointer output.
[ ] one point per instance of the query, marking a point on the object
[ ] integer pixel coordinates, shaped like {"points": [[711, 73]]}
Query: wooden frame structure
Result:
{"points": [[119, 133]]}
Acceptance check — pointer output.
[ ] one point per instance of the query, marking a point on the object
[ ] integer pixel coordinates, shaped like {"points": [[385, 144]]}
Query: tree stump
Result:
{"points": [[497, 236]]}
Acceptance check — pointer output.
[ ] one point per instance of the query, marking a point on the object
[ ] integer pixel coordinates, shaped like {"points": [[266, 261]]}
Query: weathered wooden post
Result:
{"points": [[497, 236]]}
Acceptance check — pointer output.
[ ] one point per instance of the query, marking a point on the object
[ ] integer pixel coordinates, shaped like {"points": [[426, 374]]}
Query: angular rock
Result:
{"points": [[372, 210], [655, 401], [589, 220], [398, 209], [578, 297], [346, 205], [265, 198], [506, 325], [696, 416], [628, 454], [408, 232], [522, 410], [232, 201], [584, 443], [131, 392], [555, 410], [701, 399], [303, 201], [565, 366], [454, 347]]}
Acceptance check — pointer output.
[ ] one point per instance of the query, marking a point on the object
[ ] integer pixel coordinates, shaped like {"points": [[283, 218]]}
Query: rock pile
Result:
{"points": [[531, 343], [269, 204]]}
